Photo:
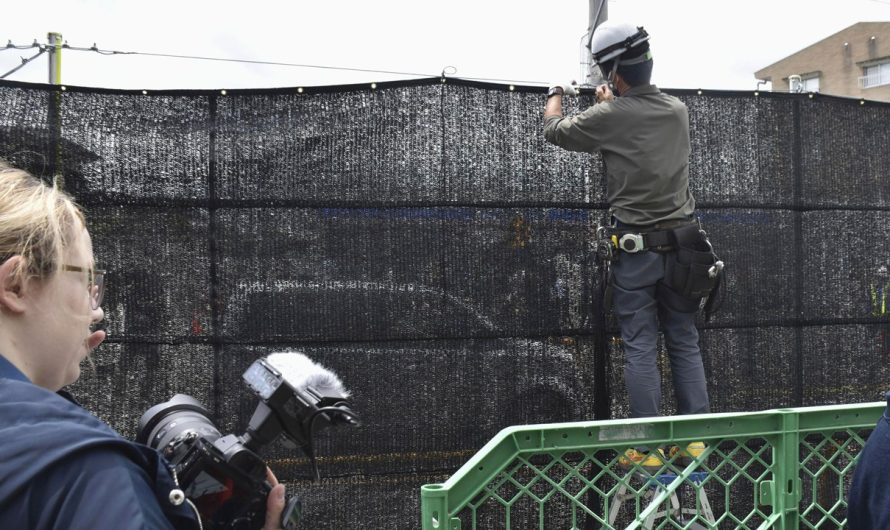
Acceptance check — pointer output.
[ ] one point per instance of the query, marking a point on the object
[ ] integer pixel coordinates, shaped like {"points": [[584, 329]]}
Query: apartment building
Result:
{"points": [[854, 62]]}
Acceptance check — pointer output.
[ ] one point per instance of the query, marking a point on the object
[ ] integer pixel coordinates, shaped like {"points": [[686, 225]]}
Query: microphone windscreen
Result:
{"points": [[301, 372]]}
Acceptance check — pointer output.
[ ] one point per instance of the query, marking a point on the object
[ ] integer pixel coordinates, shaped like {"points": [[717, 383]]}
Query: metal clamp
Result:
{"points": [[631, 243]]}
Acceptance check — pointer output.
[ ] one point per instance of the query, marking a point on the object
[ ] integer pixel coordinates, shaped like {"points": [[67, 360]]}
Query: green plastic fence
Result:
{"points": [[783, 469]]}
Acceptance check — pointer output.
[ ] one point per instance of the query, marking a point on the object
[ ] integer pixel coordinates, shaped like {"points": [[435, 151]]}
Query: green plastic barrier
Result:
{"points": [[783, 469]]}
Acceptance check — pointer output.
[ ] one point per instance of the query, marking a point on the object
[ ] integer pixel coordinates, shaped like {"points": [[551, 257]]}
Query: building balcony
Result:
{"points": [[873, 80]]}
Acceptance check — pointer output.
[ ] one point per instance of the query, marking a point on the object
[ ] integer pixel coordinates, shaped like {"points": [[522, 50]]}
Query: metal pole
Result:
{"points": [[599, 13], [55, 58], [54, 110]]}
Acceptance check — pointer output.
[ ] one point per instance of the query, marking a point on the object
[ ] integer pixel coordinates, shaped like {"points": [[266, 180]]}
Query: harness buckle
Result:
{"points": [[631, 243]]}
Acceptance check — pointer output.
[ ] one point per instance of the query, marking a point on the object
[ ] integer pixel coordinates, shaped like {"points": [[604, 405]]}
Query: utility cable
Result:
{"points": [[24, 62], [96, 49], [12, 46], [275, 63]]}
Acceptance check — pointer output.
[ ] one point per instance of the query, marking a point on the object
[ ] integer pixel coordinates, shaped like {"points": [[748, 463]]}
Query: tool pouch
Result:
{"points": [[692, 268]]}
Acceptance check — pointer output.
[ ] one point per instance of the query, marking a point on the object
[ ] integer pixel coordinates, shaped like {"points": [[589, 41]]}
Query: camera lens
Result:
{"points": [[168, 421]]}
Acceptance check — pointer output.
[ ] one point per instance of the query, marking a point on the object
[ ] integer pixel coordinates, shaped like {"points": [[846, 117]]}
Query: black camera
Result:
{"points": [[222, 475]]}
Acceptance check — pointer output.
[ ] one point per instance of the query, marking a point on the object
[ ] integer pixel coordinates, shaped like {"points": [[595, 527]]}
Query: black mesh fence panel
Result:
{"points": [[422, 240]]}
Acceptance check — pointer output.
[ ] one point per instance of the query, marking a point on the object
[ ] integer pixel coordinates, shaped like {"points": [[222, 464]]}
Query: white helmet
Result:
{"points": [[613, 39]]}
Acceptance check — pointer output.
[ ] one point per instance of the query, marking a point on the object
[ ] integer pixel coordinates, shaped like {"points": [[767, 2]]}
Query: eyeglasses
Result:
{"points": [[96, 283]]}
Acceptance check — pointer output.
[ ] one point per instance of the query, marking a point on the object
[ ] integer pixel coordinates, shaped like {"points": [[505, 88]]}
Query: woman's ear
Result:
{"points": [[12, 288]]}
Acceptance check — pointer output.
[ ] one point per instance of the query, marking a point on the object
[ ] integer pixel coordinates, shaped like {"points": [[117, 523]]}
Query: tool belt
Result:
{"points": [[660, 237], [692, 269]]}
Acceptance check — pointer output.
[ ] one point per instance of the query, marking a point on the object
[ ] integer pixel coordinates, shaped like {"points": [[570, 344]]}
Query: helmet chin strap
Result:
{"points": [[612, 75]]}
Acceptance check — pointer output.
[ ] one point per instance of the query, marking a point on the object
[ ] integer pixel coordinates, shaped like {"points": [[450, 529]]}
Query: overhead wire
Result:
{"points": [[11, 46], [96, 49], [24, 62]]}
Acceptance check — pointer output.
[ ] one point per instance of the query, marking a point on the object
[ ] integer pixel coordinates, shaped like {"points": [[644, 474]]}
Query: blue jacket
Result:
{"points": [[63, 468], [868, 503]]}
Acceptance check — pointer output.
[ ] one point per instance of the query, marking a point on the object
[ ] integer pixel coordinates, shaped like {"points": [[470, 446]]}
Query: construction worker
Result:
{"points": [[643, 136]]}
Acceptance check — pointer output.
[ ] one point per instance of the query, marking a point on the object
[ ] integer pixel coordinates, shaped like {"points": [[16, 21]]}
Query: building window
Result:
{"points": [[875, 75], [810, 84], [803, 83]]}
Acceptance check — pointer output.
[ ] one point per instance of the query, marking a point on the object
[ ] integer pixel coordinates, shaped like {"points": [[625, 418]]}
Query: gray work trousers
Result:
{"points": [[640, 302]]}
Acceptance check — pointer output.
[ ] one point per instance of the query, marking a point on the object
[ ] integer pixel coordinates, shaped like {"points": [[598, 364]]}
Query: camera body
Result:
{"points": [[222, 475]]}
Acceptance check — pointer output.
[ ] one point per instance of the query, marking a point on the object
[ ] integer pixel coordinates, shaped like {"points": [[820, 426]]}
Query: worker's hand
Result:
{"points": [[604, 93], [568, 89], [274, 503]]}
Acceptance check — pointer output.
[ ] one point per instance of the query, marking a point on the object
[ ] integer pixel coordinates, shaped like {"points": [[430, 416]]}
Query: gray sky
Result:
{"points": [[712, 44]]}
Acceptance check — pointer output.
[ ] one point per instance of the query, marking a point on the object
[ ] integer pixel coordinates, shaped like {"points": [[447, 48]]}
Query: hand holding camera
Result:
{"points": [[222, 475]]}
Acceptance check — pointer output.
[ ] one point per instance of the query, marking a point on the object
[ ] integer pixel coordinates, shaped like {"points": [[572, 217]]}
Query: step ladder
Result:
{"points": [[655, 484]]}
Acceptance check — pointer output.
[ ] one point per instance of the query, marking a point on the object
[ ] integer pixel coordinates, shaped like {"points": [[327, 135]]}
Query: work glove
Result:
{"points": [[568, 89]]}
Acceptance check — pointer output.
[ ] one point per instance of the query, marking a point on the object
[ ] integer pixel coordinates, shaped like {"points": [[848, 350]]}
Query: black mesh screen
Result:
{"points": [[423, 241]]}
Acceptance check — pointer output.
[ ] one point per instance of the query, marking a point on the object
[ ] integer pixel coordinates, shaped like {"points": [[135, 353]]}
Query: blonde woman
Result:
{"points": [[60, 466]]}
